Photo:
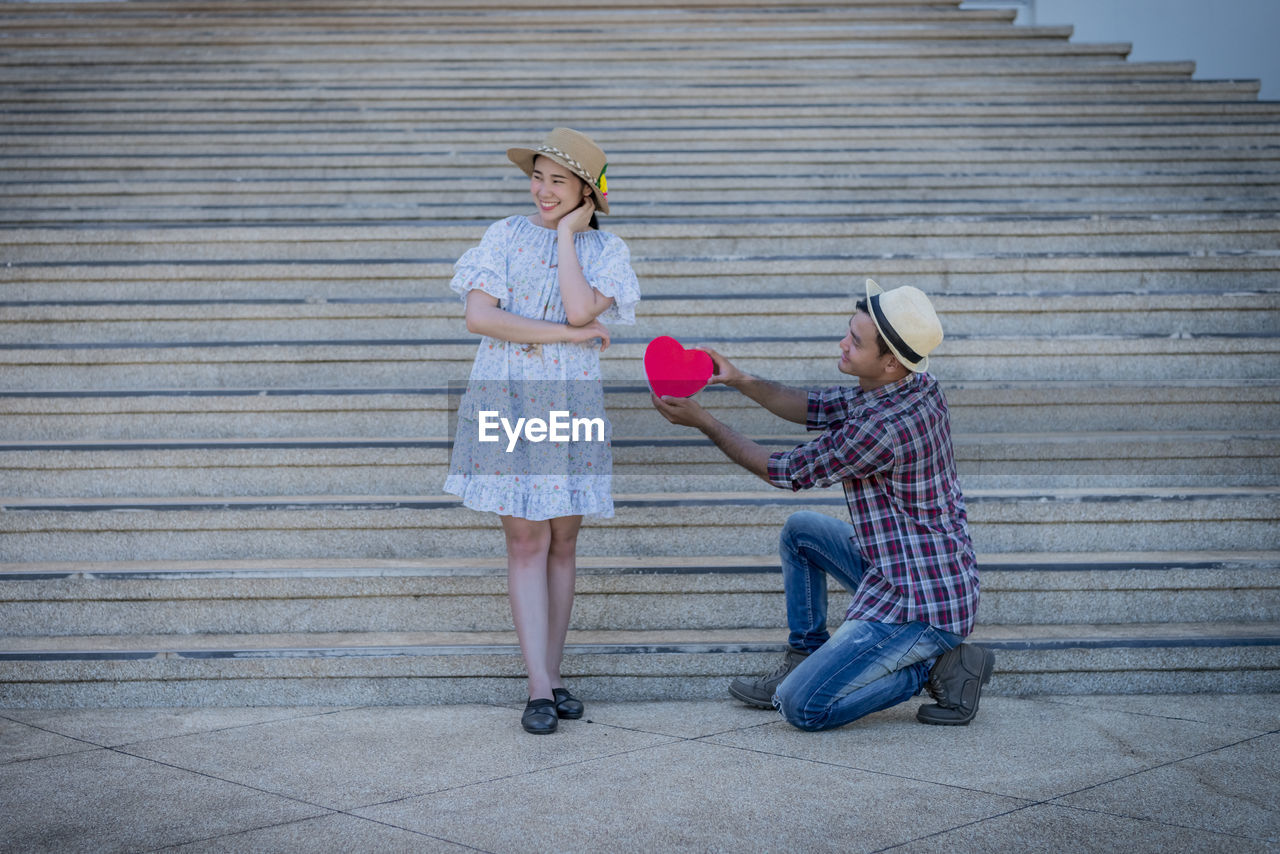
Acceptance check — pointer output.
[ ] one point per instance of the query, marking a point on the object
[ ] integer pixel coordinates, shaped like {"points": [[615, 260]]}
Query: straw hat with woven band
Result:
{"points": [[576, 152], [907, 322]]}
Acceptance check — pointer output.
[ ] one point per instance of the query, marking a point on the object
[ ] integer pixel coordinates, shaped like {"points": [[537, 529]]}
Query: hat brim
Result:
{"points": [[874, 290], [524, 157]]}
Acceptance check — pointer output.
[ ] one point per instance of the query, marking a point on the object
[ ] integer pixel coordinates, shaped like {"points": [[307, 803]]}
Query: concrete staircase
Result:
{"points": [[227, 338]]}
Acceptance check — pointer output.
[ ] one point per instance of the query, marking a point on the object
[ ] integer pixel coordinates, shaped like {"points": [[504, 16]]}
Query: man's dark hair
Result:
{"points": [[861, 305]]}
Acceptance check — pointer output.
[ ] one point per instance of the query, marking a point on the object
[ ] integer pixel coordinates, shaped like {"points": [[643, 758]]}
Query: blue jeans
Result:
{"points": [[866, 666]]}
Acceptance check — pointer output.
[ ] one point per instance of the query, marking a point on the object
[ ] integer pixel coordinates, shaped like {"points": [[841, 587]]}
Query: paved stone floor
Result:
{"points": [[1088, 773]]}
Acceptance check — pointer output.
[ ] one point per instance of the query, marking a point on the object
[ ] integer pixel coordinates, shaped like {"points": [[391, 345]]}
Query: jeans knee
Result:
{"points": [[795, 711], [798, 523]]}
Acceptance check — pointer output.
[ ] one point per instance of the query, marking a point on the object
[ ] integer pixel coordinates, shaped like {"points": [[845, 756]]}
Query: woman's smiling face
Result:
{"points": [[555, 190]]}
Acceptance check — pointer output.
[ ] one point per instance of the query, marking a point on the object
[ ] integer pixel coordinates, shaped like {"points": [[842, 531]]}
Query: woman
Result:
{"points": [[537, 289]]}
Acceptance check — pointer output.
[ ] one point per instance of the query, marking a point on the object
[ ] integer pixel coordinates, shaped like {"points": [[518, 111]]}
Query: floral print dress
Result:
{"points": [[516, 262]]}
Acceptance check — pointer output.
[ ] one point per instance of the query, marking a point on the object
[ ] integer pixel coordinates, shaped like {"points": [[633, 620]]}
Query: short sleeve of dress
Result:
{"points": [[611, 275], [484, 267]]}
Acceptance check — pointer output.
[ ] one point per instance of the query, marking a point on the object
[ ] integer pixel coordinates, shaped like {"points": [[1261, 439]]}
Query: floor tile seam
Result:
{"points": [[974, 823], [16, 762], [1054, 803], [414, 831], [1156, 767], [90, 747], [258, 789], [234, 833], [203, 732], [217, 730], [1025, 801], [304, 819], [1253, 731], [669, 740], [687, 738]]}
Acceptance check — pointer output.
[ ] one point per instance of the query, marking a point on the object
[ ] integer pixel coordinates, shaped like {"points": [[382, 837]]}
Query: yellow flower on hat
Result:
{"points": [[601, 182]]}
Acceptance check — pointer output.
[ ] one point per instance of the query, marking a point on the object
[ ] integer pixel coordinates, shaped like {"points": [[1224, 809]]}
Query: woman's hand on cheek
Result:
{"points": [[578, 219]]}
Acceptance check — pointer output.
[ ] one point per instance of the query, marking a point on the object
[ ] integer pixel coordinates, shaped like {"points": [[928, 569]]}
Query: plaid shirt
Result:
{"points": [[891, 447]]}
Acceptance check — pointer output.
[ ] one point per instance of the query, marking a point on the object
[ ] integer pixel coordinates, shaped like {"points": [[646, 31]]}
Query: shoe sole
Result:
{"points": [[750, 701]]}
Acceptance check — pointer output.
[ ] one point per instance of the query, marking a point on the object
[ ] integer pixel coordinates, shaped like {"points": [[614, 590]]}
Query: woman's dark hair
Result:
{"points": [[861, 305], [595, 223]]}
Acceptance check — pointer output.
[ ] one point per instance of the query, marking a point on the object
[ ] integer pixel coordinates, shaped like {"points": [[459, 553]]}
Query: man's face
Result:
{"points": [[859, 354]]}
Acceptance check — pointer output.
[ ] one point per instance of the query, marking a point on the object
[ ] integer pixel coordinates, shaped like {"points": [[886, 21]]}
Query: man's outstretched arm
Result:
{"points": [[689, 413], [783, 401]]}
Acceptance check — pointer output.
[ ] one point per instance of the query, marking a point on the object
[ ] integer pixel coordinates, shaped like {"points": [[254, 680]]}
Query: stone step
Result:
{"points": [[194, 528], [1021, 182], [52, 187], [818, 108], [1035, 188], [498, 30], [849, 43], [438, 667], [377, 466], [1179, 404], [394, 17], [156, 156], [259, 153], [1030, 74], [438, 236], [346, 581], [647, 144], [287, 71], [253, 20], [198, 9], [298, 283], [652, 241], [689, 320], [644, 86], [149, 163], [922, 118], [1245, 200], [437, 362], [613, 593], [969, 273]]}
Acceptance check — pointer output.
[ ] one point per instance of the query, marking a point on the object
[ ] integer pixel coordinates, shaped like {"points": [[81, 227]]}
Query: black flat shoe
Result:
{"points": [[540, 717], [567, 705]]}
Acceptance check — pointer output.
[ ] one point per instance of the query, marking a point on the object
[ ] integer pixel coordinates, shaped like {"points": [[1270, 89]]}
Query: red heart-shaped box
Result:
{"points": [[673, 370]]}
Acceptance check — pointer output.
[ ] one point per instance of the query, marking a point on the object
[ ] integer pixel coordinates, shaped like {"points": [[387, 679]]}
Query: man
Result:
{"points": [[906, 558]]}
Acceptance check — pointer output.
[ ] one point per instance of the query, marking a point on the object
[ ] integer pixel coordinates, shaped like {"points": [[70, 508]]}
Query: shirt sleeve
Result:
{"points": [[830, 406], [484, 267], [849, 451], [611, 275]]}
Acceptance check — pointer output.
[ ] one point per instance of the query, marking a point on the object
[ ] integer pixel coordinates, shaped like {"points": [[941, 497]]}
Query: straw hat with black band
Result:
{"points": [[907, 322], [576, 152]]}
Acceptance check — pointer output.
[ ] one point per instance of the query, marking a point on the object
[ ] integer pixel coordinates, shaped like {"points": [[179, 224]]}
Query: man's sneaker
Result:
{"points": [[759, 691], [956, 682]]}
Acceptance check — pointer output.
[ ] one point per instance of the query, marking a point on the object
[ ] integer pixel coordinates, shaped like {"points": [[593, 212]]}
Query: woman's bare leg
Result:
{"points": [[562, 569], [528, 545]]}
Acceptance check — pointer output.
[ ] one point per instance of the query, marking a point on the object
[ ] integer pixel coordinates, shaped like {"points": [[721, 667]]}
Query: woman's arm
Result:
{"points": [[484, 317], [582, 303]]}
